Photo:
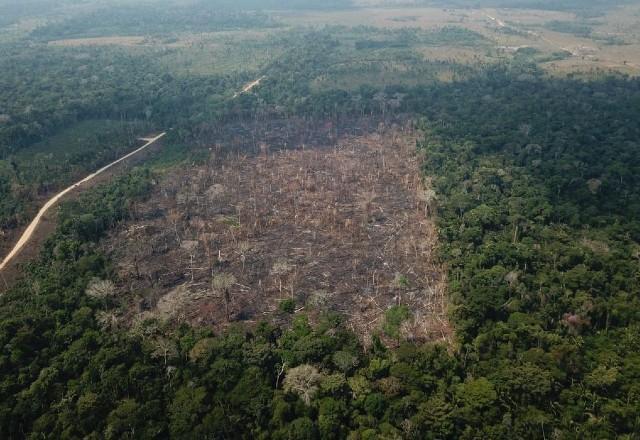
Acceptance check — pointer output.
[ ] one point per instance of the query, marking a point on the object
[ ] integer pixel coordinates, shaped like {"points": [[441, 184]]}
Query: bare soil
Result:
{"points": [[101, 41], [343, 228]]}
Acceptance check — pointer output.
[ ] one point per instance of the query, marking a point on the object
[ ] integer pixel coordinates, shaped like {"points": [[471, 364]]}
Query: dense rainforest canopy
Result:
{"points": [[536, 197], [544, 273]]}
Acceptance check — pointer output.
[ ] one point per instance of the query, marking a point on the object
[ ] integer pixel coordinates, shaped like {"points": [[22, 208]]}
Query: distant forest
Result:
{"points": [[570, 5], [207, 14]]}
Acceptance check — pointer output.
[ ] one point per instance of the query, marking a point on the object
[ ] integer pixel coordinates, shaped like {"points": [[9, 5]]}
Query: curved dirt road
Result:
{"points": [[52, 201]]}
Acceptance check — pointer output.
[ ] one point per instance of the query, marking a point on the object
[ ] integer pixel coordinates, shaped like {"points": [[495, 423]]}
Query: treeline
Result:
{"points": [[47, 92], [337, 51], [12, 12], [68, 372], [150, 19], [410, 37], [537, 193], [45, 89], [44, 167], [582, 7], [579, 138], [538, 202], [537, 182]]}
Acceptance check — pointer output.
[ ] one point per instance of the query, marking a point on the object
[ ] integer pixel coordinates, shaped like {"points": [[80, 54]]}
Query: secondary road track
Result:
{"points": [[28, 233], [33, 226]]}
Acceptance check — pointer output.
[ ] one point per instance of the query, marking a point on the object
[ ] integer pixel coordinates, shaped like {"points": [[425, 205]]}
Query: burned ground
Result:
{"points": [[343, 228]]}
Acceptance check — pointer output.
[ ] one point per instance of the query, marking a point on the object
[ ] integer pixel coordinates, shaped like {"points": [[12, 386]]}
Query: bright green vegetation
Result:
{"points": [[538, 197], [149, 383]]}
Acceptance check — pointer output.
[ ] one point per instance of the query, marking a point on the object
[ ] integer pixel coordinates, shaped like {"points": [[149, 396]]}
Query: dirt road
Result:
{"points": [[249, 86], [496, 20], [28, 233]]}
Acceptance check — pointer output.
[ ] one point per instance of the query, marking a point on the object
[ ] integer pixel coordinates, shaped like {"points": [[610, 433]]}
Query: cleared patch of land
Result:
{"points": [[606, 43], [564, 42], [249, 87], [100, 41], [343, 229], [396, 18]]}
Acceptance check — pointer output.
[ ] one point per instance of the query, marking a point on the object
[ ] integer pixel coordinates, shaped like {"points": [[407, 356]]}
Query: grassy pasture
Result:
{"points": [[392, 18], [116, 40], [602, 44], [605, 43]]}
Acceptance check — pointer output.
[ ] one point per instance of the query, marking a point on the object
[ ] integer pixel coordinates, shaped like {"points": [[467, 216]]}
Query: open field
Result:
{"points": [[217, 52], [394, 18], [400, 56], [289, 225], [612, 45], [357, 73], [601, 43], [207, 53], [101, 41]]}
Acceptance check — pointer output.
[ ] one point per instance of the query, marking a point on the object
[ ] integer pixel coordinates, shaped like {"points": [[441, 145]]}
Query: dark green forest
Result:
{"points": [[538, 208], [538, 201], [47, 91]]}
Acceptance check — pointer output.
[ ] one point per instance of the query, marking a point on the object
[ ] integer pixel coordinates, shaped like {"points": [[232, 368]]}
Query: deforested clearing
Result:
{"points": [[344, 229]]}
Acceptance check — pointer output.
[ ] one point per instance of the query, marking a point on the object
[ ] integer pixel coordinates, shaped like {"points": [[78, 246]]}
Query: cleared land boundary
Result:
{"points": [[33, 226]]}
